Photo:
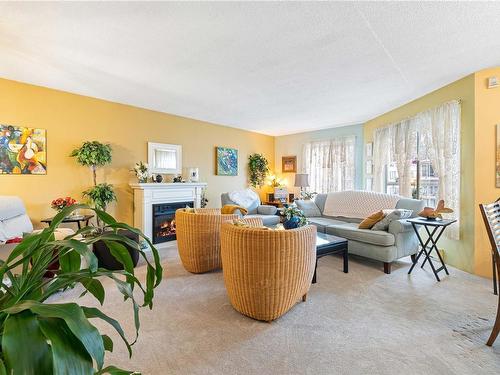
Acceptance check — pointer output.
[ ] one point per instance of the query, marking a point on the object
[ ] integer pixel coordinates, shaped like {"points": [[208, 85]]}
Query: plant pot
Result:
{"points": [[107, 260], [291, 223]]}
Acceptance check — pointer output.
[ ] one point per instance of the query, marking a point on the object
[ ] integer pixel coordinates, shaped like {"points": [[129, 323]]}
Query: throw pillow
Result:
{"points": [[391, 215], [308, 207], [371, 220]]}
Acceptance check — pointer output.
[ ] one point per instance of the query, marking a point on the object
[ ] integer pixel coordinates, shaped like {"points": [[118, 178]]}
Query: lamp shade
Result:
{"points": [[301, 180]]}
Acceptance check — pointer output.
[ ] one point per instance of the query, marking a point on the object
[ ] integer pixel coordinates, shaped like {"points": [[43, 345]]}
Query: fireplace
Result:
{"points": [[164, 220]]}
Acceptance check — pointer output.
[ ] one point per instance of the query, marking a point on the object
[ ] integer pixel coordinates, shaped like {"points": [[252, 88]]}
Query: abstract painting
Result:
{"points": [[227, 161], [22, 150]]}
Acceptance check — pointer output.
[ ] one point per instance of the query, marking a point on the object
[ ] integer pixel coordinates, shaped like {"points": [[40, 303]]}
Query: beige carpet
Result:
{"points": [[364, 322]]}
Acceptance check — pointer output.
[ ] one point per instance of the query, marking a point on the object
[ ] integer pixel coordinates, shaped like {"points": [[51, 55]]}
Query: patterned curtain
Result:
{"points": [[330, 164], [433, 135]]}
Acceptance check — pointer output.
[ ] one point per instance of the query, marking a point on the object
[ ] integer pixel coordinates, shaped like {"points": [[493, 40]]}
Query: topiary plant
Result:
{"points": [[258, 169], [95, 154]]}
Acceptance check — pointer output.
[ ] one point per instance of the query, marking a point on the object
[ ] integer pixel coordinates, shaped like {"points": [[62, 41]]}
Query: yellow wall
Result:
{"points": [[458, 253], [486, 117], [71, 119]]}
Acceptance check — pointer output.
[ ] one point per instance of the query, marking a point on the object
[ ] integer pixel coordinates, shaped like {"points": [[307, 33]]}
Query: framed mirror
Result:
{"points": [[164, 158]]}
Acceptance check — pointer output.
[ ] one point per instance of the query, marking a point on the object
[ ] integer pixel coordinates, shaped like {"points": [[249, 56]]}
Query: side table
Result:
{"points": [[73, 219], [434, 229]]}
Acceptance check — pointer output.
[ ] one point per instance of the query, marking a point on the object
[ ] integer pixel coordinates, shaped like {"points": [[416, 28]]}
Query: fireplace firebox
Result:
{"points": [[164, 220]]}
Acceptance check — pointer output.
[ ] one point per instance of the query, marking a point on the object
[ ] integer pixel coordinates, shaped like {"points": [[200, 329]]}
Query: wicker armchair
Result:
{"points": [[198, 238], [266, 272]]}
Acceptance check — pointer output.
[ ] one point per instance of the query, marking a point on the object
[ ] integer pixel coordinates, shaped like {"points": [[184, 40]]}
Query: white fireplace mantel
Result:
{"points": [[147, 194]]}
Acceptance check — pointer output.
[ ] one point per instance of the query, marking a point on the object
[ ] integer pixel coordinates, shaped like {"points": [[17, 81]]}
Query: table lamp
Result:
{"points": [[301, 181]]}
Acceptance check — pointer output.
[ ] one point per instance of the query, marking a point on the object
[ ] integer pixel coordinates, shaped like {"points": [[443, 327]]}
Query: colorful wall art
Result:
{"points": [[227, 161], [22, 150]]}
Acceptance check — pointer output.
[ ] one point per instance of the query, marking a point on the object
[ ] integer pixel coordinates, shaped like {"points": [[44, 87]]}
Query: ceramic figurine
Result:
{"points": [[432, 214]]}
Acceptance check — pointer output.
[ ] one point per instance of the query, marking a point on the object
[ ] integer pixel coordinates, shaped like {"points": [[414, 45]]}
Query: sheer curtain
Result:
{"points": [[433, 134], [330, 164], [404, 152], [381, 156], [440, 134]]}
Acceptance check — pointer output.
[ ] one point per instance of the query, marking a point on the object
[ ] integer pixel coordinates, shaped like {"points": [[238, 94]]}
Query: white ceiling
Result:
{"points": [[274, 68]]}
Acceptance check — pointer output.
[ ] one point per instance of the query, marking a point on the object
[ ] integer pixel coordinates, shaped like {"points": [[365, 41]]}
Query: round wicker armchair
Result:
{"points": [[198, 238], [265, 271]]}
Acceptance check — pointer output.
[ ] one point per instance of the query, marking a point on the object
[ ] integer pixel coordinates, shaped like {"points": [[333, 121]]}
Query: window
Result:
{"points": [[424, 181], [330, 164], [420, 157]]}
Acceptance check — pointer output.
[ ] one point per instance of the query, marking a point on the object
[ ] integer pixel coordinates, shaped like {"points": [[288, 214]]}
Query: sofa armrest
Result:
{"points": [[400, 226], [265, 209]]}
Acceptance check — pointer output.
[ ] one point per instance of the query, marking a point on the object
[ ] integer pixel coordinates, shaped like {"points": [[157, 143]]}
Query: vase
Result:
{"points": [[291, 223]]}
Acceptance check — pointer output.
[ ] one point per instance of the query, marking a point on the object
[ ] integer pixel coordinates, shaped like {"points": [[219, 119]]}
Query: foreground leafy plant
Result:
{"points": [[47, 338]]}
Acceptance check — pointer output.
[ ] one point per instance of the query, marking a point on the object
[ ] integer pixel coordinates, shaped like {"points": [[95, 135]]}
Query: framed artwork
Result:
{"points": [[369, 149], [369, 167], [289, 164], [227, 161], [497, 164], [23, 150]]}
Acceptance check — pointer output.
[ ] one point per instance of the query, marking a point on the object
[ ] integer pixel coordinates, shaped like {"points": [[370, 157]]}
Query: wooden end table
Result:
{"points": [[327, 244], [434, 229], [72, 219]]}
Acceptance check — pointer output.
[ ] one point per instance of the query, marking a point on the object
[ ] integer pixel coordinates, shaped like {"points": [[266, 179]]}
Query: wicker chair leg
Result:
{"points": [[304, 297]]}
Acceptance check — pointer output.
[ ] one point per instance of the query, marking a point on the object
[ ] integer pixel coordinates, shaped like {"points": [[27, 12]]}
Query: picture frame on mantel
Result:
{"points": [[289, 164], [164, 158]]}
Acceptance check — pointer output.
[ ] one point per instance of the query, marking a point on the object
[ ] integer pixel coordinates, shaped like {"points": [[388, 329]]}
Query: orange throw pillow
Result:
{"points": [[371, 220]]}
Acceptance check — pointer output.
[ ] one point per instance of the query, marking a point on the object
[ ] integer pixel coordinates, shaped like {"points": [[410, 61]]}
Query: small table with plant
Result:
{"points": [[78, 219]]}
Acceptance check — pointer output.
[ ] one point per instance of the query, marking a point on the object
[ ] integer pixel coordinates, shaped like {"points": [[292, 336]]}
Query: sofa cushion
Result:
{"points": [[411, 204], [308, 207], [352, 232], [397, 214], [267, 220], [322, 222], [371, 220], [265, 209]]}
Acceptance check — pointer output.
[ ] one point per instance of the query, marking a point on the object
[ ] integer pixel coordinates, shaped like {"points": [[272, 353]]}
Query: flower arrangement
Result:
{"points": [[294, 217], [275, 181], [61, 203], [307, 195], [141, 171]]}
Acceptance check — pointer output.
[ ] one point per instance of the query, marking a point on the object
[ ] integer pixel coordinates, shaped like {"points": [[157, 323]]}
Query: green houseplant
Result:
{"points": [[38, 337], [94, 154], [258, 168]]}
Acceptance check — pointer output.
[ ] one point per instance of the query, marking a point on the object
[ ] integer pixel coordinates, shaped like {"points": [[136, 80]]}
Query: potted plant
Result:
{"points": [[142, 172], [258, 168], [94, 154], [38, 337], [293, 217]]}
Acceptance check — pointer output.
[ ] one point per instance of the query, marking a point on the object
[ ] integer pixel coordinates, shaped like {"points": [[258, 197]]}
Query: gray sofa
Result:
{"points": [[398, 242], [267, 213]]}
